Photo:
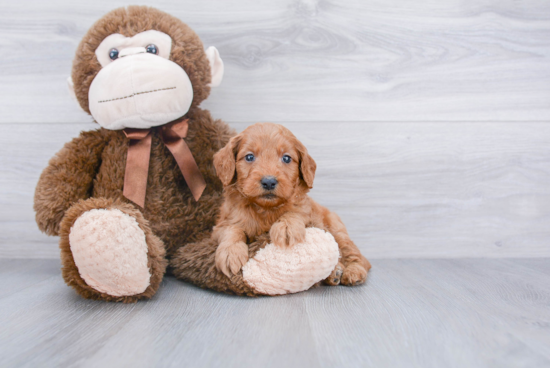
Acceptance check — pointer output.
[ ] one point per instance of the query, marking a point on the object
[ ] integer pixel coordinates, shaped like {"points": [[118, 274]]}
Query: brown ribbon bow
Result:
{"points": [[139, 152]]}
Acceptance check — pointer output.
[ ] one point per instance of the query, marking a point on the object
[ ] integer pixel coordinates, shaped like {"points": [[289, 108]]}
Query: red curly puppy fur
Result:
{"points": [[267, 173]]}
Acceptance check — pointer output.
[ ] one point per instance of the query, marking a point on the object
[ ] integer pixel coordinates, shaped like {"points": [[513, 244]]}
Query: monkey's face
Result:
{"points": [[137, 85]]}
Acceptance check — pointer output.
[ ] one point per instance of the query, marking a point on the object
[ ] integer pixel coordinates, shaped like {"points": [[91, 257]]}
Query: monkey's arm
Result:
{"points": [[67, 179]]}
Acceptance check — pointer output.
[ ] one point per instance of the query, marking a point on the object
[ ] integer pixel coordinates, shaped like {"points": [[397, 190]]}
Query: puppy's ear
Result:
{"points": [[307, 165], [224, 160]]}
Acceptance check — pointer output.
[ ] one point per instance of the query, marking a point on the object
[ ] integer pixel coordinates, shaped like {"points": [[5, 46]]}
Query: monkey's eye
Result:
{"points": [[250, 157], [287, 159], [152, 49], [113, 54]]}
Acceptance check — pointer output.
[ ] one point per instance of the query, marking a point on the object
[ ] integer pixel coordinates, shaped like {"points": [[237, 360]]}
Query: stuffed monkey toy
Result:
{"points": [[125, 197]]}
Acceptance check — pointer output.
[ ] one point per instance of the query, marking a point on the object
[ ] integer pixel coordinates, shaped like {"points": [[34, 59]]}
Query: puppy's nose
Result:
{"points": [[269, 182]]}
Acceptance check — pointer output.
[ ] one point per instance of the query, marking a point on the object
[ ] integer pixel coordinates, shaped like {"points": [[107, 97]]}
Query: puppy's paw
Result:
{"points": [[284, 234], [335, 276], [354, 274], [231, 257]]}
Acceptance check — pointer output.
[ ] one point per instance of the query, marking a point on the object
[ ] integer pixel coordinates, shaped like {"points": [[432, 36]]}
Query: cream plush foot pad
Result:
{"points": [[275, 270], [110, 252]]}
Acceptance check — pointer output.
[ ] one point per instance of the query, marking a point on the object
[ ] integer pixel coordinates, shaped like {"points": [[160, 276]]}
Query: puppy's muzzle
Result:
{"points": [[269, 182]]}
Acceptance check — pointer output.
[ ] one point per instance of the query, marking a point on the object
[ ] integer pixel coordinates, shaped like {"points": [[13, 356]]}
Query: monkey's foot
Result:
{"points": [[277, 270], [109, 253]]}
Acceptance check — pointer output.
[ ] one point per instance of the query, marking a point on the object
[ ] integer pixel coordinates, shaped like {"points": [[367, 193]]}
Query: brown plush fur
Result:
{"points": [[93, 164], [195, 263], [247, 215]]}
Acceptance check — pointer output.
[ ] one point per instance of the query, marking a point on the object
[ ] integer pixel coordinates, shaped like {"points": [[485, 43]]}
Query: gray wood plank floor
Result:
{"points": [[411, 313]]}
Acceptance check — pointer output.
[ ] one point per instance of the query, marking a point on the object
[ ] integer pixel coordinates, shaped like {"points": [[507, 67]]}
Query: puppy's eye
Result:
{"points": [[113, 54], [152, 49], [287, 159], [250, 157]]}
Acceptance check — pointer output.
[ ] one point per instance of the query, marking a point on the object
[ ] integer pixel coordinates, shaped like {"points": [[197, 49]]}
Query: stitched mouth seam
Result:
{"points": [[137, 93]]}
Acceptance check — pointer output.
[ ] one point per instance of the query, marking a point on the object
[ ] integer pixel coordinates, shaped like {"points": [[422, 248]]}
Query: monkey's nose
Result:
{"points": [[269, 182]]}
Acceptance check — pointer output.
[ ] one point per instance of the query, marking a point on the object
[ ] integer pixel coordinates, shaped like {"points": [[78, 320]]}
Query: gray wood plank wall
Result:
{"points": [[429, 120]]}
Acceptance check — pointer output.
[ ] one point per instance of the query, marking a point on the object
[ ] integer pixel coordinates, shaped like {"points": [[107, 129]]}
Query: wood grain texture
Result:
{"points": [[411, 313], [402, 189], [428, 122], [309, 60]]}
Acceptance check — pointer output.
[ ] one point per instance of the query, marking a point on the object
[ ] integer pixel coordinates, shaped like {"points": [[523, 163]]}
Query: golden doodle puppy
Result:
{"points": [[267, 173]]}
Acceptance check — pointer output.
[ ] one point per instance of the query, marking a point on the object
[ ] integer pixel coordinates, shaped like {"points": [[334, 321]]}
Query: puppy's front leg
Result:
{"points": [[232, 251], [288, 230]]}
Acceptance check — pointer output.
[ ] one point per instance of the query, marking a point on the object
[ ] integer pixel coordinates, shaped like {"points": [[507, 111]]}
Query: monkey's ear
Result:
{"points": [[70, 86], [224, 160], [216, 66], [307, 165]]}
